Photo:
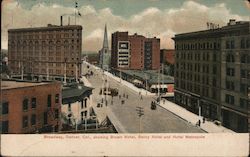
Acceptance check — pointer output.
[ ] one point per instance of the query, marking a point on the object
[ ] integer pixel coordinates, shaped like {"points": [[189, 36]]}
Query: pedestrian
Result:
{"points": [[127, 96], [163, 101], [203, 119], [119, 96], [141, 97], [199, 123]]}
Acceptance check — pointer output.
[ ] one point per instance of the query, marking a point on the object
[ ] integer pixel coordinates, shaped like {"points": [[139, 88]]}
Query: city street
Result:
{"points": [[125, 115]]}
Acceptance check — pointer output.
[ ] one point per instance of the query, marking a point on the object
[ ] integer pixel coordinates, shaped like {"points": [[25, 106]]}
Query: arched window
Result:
{"points": [[230, 58]]}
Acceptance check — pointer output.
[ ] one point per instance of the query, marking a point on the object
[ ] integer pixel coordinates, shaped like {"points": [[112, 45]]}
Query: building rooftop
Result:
{"points": [[74, 92], [12, 84], [48, 28], [232, 25], [150, 75]]}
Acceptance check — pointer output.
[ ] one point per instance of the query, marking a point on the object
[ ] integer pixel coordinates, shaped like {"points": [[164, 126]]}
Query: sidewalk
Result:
{"points": [[179, 111], [192, 118]]}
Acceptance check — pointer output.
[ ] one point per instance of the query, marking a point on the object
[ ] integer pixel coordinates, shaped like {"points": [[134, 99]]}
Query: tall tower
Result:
{"points": [[104, 53]]}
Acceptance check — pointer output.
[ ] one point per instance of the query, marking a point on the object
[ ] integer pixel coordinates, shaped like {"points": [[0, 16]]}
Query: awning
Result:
{"points": [[161, 86]]}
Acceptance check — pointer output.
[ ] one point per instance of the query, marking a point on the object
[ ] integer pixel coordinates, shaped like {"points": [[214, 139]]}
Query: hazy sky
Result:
{"points": [[160, 18]]}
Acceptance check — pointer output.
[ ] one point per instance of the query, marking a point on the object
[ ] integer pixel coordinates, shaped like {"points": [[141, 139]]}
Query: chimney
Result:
{"points": [[61, 20], [231, 22]]}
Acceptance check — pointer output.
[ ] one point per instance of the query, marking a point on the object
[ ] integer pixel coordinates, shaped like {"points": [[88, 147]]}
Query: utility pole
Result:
{"points": [[140, 112], [76, 73], [159, 83]]}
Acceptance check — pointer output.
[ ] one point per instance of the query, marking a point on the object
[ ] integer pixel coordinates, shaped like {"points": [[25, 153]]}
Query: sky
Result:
{"points": [[151, 18]]}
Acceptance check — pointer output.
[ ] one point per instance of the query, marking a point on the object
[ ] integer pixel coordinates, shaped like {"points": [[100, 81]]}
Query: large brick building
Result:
{"points": [[134, 52], [212, 72], [30, 107], [50, 53], [167, 56]]}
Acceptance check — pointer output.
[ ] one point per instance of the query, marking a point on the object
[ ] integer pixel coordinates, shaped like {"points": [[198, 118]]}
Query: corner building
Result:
{"points": [[134, 52], [212, 74], [46, 52], [30, 107]]}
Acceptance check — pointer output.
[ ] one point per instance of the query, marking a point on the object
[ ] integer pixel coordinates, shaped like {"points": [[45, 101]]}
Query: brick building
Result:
{"points": [[167, 56], [212, 72], [134, 52], [46, 52], [30, 107]]}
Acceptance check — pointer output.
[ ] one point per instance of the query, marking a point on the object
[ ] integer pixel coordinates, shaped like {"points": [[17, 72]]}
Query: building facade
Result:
{"points": [[77, 106], [30, 107], [167, 56], [211, 73], [134, 52], [52, 52], [105, 53]]}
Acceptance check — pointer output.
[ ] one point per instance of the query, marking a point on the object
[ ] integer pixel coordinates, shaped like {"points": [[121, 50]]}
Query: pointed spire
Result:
{"points": [[105, 39]]}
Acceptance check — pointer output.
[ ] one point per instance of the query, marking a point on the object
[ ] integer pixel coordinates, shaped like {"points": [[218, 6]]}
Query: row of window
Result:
{"points": [[83, 105], [245, 58], [204, 91], [198, 46], [244, 43], [33, 102], [229, 99], [41, 35], [197, 56]]}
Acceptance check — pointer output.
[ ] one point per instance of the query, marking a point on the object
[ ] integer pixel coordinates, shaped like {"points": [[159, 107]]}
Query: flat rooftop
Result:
{"points": [[12, 84], [150, 75]]}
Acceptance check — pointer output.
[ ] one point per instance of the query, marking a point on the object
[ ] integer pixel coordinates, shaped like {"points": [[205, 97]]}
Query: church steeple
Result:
{"points": [[105, 39]]}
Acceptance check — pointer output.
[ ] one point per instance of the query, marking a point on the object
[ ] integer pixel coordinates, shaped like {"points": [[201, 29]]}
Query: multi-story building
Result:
{"points": [[212, 73], [167, 56], [52, 52], [30, 107], [134, 52], [105, 53]]}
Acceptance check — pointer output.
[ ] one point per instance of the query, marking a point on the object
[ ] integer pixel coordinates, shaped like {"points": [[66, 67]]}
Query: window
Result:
{"points": [[4, 128], [242, 43], [33, 119], [229, 99], [49, 100], [214, 82], [227, 44], [57, 98], [230, 58], [230, 85], [245, 74], [214, 57], [5, 108], [56, 113], [244, 103], [232, 44], [33, 103], [214, 69], [25, 104], [45, 118], [69, 107], [230, 72], [25, 121], [244, 88]]}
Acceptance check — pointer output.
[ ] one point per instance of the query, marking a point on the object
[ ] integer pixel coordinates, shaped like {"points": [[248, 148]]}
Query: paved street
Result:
{"points": [[126, 116]]}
